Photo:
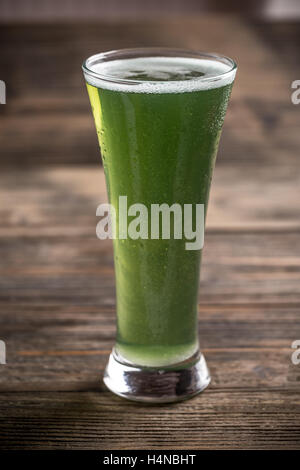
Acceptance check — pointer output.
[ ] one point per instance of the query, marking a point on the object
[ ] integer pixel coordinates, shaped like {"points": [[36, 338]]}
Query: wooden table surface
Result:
{"points": [[57, 298]]}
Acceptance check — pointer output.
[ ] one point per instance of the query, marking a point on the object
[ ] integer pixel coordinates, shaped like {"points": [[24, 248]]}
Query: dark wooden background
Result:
{"points": [[57, 305], [70, 10]]}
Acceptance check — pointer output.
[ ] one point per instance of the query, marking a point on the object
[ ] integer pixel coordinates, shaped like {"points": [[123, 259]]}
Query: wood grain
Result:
{"points": [[47, 118], [57, 291], [238, 419]]}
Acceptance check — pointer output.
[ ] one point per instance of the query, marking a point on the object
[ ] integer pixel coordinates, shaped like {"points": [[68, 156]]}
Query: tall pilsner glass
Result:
{"points": [[159, 115]]}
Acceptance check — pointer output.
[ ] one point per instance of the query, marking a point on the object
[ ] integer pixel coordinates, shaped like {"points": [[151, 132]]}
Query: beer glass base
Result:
{"points": [[157, 385]]}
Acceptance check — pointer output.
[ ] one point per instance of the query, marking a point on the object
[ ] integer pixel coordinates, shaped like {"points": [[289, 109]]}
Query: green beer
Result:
{"points": [[159, 120]]}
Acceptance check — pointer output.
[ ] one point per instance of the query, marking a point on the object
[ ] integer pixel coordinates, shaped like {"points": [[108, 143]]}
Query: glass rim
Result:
{"points": [[119, 54]]}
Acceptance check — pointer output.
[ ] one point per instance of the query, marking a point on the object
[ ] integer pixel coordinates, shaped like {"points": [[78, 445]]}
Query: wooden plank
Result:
{"points": [[59, 348], [49, 250], [215, 420], [62, 201], [57, 299], [57, 294], [236, 268], [282, 36], [47, 117]]}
